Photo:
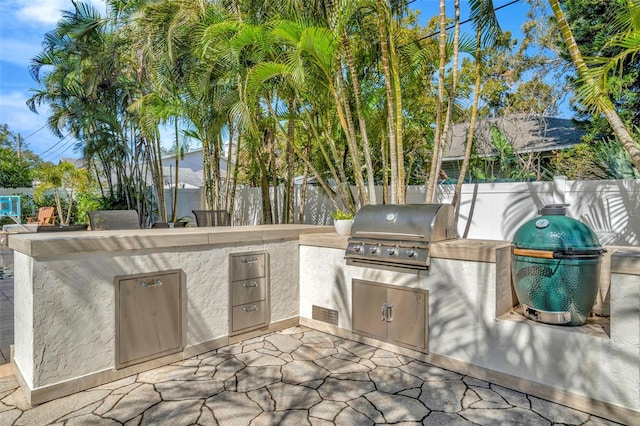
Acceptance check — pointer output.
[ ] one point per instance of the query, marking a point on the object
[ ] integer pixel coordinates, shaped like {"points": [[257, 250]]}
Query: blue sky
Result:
{"points": [[22, 27], [23, 24]]}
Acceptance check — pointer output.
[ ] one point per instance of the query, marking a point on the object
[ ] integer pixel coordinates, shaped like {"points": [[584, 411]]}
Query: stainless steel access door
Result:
{"points": [[368, 301], [408, 323], [395, 314], [149, 321]]}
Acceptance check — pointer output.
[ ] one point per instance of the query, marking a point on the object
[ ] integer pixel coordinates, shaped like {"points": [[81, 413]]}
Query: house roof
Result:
{"points": [[526, 133], [187, 178]]}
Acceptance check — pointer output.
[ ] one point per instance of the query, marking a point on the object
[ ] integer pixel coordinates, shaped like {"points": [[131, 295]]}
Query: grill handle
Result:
{"points": [[544, 254], [547, 254]]}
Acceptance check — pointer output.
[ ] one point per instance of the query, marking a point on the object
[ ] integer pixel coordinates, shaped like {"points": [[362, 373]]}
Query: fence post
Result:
{"points": [[559, 187]]}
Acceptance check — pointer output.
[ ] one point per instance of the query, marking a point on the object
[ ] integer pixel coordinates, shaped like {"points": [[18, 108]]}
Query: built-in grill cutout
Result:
{"points": [[398, 236]]}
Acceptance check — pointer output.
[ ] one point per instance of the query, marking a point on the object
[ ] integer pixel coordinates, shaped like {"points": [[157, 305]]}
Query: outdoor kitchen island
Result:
{"points": [[472, 324], [66, 289], [66, 337]]}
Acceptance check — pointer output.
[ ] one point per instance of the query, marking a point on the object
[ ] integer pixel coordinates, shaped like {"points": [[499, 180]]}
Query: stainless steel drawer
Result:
{"points": [[247, 291], [249, 315], [248, 265]]}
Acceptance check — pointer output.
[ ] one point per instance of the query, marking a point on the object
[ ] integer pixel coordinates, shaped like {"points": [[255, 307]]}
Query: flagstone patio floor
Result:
{"points": [[295, 377]]}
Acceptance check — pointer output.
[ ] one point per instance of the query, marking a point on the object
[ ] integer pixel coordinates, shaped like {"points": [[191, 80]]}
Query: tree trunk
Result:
{"points": [[289, 199], [175, 189], [399, 120], [304, 186], [454, 83], [352, 141], [234, 181], [227, 183], [267, 216], [432, 181], [604, 103], [361, 120], [393, 153], [472, 124]]}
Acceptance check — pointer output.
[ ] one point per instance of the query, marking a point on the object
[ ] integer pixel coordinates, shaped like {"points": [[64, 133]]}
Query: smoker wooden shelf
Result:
{"points": [[248, 292]]}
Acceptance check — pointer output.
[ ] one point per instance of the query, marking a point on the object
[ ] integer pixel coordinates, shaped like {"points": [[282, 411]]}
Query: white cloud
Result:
{"points": [[17, 115], [41, 12], [19, 52], [48, 12]]}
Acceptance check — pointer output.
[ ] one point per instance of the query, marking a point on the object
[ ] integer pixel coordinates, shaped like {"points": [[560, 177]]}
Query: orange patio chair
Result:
{"points": [[46, 216]]}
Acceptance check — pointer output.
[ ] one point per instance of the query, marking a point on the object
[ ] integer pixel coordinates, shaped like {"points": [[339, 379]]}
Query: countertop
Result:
{"points": [[462, 249], [57, 244]]}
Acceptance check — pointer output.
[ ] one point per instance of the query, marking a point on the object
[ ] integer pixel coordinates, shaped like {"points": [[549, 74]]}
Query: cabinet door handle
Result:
{"points": [[251, 308], [145, 284], [250, 284], [251, 260], [389, 314]]}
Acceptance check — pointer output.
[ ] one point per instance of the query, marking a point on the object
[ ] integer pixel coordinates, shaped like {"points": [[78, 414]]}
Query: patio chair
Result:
{"points": [[46, 216], [101, 220], [166, 224], [212, 218]]}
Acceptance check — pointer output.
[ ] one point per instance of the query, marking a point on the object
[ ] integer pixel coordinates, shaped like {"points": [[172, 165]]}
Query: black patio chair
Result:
{"points": [[212, 218], [101, 220]]}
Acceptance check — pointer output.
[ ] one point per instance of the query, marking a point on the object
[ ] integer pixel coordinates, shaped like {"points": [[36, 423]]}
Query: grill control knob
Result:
{"points": [[373, 250], [411, 253], [391, 251], [357, 249]]}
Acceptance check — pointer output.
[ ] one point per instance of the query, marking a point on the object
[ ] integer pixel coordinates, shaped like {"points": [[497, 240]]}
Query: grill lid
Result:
{"points": [[405, 222], [556, 232]]}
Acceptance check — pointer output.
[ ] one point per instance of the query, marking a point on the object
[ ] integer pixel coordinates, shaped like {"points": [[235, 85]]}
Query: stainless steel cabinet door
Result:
{"points": [[367, 310], [407, 322], [149, 317]]}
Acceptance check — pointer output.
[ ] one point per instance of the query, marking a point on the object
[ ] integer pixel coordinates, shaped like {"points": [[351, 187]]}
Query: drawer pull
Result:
{"points": [[250, 284], [251, 260], [251, 308], [156, 283]]}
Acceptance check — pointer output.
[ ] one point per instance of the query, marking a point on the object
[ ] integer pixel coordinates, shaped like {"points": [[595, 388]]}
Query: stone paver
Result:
{"points": [[294, 377]]}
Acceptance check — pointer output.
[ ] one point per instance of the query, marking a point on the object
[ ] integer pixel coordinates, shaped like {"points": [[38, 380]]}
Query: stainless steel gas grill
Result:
{"points": [[397, 237]]}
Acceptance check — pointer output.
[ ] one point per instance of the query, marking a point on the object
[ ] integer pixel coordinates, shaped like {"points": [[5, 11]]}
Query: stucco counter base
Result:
{"points": [[65, 296], [470, 297]]}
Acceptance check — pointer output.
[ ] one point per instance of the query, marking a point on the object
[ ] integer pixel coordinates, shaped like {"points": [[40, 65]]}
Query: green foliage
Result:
{"points": [[63, 180], [614, 160], [15, 172], [604, 159], [84, 202], [16, 161], [577, 163], [341, 215], [607, 37]]}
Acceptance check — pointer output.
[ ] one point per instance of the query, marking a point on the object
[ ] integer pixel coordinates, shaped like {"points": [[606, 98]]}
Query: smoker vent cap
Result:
{"points": [[554, 210]]}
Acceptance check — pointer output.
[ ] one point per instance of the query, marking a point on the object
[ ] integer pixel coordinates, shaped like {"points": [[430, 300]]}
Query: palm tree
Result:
{"points": [[488, 34], [594, 88], [64, 177], [85, 87]]}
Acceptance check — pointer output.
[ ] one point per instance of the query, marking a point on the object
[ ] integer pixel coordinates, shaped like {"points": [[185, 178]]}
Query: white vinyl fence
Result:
{"points": [[487, 211], [496, 210]]}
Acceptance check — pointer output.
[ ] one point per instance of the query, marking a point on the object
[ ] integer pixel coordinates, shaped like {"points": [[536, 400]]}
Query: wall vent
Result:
{"points": [[324, 314]]}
